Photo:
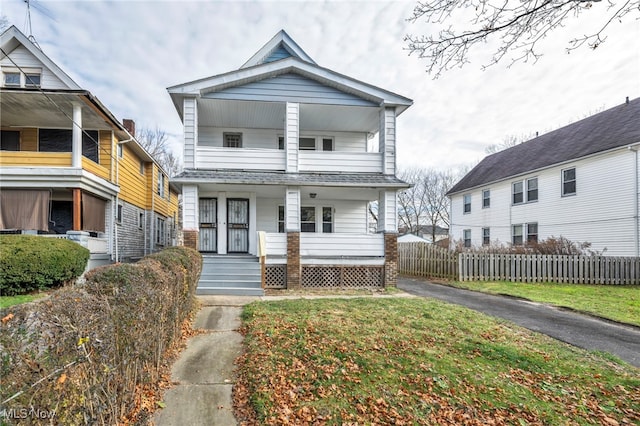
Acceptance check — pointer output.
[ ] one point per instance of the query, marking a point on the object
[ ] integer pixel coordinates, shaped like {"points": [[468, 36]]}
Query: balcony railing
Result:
{"points": [[327, 245], [240, 158], [340, 161]]}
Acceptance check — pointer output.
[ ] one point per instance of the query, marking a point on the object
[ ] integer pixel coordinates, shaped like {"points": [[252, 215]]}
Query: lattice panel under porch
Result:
{"points": [[275, 276], [342, 276]]}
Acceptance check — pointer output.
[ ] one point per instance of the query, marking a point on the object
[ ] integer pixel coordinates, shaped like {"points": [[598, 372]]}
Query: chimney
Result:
{"points": [[627, 101], [130, 125]]}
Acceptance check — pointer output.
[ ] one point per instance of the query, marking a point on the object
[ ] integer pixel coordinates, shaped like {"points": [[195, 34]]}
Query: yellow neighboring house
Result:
{"points": [[70, 169]]}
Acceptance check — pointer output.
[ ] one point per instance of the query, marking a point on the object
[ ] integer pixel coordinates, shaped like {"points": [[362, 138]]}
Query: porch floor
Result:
{"points": [[235, 275]]}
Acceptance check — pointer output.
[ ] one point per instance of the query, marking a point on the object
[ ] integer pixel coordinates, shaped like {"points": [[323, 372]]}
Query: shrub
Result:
{"points": [[29, 263], [114, 330]]}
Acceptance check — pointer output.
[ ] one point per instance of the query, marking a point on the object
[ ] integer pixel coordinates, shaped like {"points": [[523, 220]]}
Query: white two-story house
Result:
{"points": [[579, 182], [282, 158]]}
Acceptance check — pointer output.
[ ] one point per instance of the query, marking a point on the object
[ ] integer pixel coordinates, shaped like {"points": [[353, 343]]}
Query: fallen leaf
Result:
{"points": [[7, 318]]}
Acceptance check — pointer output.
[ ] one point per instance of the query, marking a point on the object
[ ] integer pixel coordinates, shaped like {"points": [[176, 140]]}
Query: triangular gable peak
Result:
{"points": [[281, 46], [21, 53]]}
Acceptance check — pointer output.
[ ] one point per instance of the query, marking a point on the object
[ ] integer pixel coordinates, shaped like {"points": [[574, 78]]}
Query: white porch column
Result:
{"points": [[190, 218], [387, 133], [76, 136], [387, 212], [190, 122], [292, 209], [291, 133], [222, 222]]}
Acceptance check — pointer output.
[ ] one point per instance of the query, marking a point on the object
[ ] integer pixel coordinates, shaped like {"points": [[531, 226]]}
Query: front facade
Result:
{"points": [[579, 182], [69, 169], [282, 158]]}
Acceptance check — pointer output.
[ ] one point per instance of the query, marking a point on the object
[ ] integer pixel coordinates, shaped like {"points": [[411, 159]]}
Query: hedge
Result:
{"points": [[29, 263], [102, 342]]}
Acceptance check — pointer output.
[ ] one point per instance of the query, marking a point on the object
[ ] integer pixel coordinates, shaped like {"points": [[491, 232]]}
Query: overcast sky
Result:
{"points": [[128, 52]]}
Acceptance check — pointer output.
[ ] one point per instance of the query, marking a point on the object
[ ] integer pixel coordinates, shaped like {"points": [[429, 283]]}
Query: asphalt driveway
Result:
{"points": [[565, 325]]}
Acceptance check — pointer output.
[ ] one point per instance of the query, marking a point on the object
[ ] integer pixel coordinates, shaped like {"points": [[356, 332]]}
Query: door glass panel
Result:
{"points": [[238, 226], [208, 234]]}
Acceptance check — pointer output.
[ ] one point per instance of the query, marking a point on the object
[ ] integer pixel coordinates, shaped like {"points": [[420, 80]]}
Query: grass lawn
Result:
{"points": [[416, 361], [619, 303], [6, 301]]}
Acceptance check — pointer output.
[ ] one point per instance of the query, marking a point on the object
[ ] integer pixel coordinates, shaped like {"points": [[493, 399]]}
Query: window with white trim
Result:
{"points": [[532, 233], [32, 80], [569, 182], [486, 198], [486, 236], [12, 79], [307, 144], [327, 219], [532, 190], [516, 235], [119, 213], [466, 201], [232, 140], [307, 219], [466, 237], [160, 231], [160, 184], [519, 195], [280, 218]]}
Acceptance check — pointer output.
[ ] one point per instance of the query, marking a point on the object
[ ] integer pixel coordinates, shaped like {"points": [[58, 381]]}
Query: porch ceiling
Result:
{"points": [[53, 110], [271, 115]]}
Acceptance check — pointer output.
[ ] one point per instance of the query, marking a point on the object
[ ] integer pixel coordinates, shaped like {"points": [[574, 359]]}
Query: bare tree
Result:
{"points": [[518, 25], [508, 142], [426, 202], [156, 142]]}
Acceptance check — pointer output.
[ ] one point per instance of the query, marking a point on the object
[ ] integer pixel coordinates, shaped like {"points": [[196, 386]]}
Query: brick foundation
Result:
{"points": [[390, 259], [190, 239], [293, 261]]}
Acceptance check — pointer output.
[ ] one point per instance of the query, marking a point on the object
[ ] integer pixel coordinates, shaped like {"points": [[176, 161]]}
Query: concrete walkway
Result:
{"points": [[205, 370]]}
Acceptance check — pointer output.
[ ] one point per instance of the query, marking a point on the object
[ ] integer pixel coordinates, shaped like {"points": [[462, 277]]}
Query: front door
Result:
{"points": [[208, 225], [237, 225]]}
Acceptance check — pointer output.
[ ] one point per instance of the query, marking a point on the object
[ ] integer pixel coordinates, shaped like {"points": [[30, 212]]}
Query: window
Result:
{"points": [[232, 140], [307, 144], [569, 182], [517, 193], [466, 200], [160, 231], [307, 219], [327, 144], [10, 140], [280, 142], [486, 199], [486, 236], [532, 189], [140, 219], [466, 236], [119, 149], [119, 213], [532, 232], [141, 167], [516, 235], [60, 140], [12, 79], [327, 219], [32, 80], [160, 184], [280, 218]]}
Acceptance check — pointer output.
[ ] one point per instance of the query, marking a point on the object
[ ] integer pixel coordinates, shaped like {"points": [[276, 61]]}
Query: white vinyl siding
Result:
{"points": [[601, 212], [31, 64], [190, 121]]}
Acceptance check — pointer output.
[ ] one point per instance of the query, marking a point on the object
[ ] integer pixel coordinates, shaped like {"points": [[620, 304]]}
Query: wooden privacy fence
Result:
{"points": [[427, 260], [549, 268]]}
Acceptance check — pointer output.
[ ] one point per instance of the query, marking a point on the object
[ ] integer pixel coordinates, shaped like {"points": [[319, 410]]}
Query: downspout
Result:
{"points": [[636, 225]]}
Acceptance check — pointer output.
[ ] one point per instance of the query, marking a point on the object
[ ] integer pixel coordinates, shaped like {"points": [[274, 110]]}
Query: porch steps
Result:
{"points": [[234, 275]]}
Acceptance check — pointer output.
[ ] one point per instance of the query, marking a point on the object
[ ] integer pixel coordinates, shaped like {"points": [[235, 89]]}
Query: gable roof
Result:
{"points": [[614, 128], [13, 38], [264, 65], [279, 47]]}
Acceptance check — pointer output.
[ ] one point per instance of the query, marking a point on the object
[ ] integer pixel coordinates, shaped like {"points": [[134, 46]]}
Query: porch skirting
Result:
{"points": [[327, 277]]}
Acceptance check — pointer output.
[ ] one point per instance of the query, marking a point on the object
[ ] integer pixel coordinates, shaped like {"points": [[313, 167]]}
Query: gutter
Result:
{"points": [[636, 224]]}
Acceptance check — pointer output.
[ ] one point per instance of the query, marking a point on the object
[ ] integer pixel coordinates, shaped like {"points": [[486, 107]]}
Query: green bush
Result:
{"points": [[111, 333], [29, 263]]}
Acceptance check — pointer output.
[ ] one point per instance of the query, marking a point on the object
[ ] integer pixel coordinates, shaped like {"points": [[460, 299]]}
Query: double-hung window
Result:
{"points": [[232, 140], [327, 219], [486, 198], [466, 237], [160, 184], [519, 195], [486, 236], [307, 219], [532, 233], [516, 235], [32, 80], [569, 182], [466, 201], [12, 79]]}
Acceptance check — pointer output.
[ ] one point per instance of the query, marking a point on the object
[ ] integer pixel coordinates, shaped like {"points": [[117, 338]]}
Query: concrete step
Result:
{"points": [[229, 291], [233, 276]]}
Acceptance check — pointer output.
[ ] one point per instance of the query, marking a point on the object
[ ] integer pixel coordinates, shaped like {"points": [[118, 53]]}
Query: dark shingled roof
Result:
{"points": [[613, 128], [367, 180]]}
